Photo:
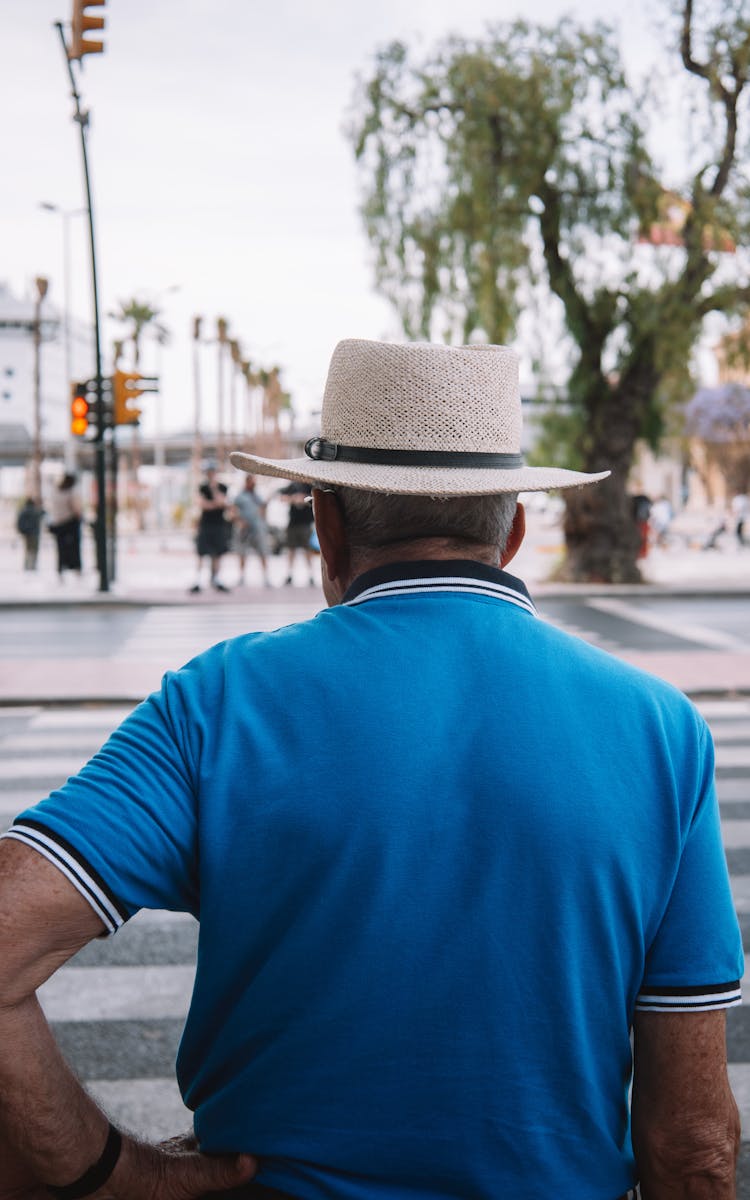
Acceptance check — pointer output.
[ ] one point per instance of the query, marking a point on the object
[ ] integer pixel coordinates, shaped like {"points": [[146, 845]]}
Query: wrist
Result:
{"points": [[96, 1175]]}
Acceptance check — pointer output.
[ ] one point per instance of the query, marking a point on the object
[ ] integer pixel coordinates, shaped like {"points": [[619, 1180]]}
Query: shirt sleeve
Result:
{"points": [[695, 961], [124, 829]]}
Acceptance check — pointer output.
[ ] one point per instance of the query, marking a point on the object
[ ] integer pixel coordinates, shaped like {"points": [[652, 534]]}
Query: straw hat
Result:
{"points": [[419, 419]]}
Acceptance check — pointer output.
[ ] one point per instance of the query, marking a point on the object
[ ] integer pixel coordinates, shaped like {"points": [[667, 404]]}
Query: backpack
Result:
{"points": [[27, 521]]}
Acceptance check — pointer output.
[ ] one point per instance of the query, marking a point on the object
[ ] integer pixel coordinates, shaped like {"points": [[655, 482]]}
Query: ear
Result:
{"points": [[515, 537], [334, 547]]}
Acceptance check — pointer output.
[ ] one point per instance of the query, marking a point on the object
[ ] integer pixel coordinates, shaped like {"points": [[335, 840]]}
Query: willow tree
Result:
{"points": [[491, 165]]}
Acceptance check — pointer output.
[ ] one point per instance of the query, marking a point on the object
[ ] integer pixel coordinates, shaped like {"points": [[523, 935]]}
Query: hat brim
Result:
{"points": [[416, 481]]}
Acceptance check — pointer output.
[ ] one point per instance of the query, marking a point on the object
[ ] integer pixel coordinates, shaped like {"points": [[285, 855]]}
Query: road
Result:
{"points": [[118, 1008], [171, 634]]}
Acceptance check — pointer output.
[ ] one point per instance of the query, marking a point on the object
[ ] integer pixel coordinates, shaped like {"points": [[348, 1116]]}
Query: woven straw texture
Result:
{"points": [[423, 397], [419, 396]]}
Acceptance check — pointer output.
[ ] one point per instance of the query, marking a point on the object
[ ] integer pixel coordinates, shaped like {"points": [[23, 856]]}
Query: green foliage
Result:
{"points": [[463, 152], [494, 162]]}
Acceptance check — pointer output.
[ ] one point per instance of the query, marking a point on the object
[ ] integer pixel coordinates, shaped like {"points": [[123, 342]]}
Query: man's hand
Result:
{"points": [[173, 1170]]}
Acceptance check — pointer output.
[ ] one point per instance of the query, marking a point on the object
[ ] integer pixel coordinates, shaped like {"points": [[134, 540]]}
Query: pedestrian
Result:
{"points": [[740, 505], [28, 524], [447, 860], [214, 529], [641, 508], [660, 520], [712, 541], [250, 531], [65, 524], [300, 527]]}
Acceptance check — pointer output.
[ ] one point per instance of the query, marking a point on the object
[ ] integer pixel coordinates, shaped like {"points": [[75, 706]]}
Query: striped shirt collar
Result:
{"points": [[432, 575]]}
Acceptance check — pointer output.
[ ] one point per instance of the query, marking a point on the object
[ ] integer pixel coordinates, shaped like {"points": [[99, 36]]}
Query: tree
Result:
{"points": [[139, 315], [522, 158]]}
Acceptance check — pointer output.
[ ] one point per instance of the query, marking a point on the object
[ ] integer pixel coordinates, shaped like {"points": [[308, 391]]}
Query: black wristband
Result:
{"points": [[97, 1174]]}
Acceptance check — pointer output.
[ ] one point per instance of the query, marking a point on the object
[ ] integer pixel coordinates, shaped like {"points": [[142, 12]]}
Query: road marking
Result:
{"points": [[159, 916], [741, 892], [148, 1108], [139, 993], [56, 769], [735, 833], [732, 756], [74, 741], [106, 717], [717, 709], [733, 791], [731, 731], [691, 633], [739, 1078]]}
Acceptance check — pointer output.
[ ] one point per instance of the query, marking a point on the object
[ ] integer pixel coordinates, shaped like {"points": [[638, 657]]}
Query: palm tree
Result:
{"points": [[138, 315]]}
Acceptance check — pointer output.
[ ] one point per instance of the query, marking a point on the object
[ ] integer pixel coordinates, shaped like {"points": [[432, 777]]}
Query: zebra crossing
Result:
{"points": [[185, 631], [118, 1007]]}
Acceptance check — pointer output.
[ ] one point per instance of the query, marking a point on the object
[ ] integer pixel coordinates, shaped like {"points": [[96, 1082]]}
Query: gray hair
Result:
{"points": [[376, 519]]}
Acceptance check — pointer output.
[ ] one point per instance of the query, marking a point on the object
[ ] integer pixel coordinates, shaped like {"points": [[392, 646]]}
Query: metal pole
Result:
{"points": [[197, 454], [70, 445], [99, 443], [35, 488], [36, 459]]}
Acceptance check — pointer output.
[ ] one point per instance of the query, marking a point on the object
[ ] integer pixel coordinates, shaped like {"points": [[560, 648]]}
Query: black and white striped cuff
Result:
{"points": [[689, 999], [67, 859]]}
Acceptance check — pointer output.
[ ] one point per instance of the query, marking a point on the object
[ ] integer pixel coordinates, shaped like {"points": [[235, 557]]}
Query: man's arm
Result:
{"points": [[51, 1130], [686, 1128]]}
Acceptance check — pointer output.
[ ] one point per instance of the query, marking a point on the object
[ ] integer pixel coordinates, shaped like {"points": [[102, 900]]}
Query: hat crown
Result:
{"points": [[421, 396]]}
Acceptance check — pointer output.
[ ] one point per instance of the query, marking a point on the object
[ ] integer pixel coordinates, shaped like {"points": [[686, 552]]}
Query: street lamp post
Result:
{"points": [[65, 215], [36, 458], [197, 455], [222, 340]]}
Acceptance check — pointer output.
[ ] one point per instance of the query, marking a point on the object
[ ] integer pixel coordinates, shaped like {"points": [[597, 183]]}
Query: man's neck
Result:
{"points": [[421, 550]]}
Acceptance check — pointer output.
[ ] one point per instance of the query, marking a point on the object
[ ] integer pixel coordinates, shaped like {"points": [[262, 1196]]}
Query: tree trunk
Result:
{"points": [[601, 535]]}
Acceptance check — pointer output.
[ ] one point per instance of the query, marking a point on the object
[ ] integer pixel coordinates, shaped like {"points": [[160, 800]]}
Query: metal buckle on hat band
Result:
{"points": [[321, 450]]}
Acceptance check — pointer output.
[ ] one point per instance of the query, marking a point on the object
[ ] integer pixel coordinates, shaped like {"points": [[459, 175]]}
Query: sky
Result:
{"points": [[223, 183]]}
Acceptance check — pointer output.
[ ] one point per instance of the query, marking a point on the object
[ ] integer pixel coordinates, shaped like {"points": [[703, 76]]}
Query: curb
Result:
{"points": [[156, 599]]}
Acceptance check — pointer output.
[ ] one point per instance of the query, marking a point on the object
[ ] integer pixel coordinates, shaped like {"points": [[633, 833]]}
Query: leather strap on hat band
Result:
{"points": [[321, 450]]}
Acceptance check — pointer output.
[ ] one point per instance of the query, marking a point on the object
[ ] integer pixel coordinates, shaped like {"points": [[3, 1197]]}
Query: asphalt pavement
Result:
{"points": [[158, 569]]}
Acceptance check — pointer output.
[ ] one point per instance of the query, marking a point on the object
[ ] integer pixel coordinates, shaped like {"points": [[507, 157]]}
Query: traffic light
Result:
{"points": [[80, 409], [81, 24], [125, 389]]}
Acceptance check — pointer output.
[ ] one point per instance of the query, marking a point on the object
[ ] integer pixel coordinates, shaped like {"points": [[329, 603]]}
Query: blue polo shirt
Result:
{"points": [[440, 852]]}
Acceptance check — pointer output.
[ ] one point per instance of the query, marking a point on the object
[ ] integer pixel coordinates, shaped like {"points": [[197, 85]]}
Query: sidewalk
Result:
{"points": [[158, 569]]}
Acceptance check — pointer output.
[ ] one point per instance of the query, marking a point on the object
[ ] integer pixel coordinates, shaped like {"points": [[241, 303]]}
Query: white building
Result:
{"points": [[65, 353]]}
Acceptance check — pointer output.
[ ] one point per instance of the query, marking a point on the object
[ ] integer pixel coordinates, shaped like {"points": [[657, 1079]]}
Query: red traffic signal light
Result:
{"points": [[80, 411], [81, 24]]}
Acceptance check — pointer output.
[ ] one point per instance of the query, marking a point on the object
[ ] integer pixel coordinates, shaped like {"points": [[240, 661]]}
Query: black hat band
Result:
{"points": [[321, 450]]}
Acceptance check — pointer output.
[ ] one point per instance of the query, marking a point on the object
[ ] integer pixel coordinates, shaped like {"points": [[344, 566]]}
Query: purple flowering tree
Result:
{"points": [[720, 417]]}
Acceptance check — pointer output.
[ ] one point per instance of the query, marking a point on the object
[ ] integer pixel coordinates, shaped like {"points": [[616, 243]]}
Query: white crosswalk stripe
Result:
{"points": [[117, 993], [175, 634], [144, 997]]}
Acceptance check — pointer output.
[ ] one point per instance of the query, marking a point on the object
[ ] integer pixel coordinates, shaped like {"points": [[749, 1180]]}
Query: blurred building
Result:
{"points": [[32, 339]]}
